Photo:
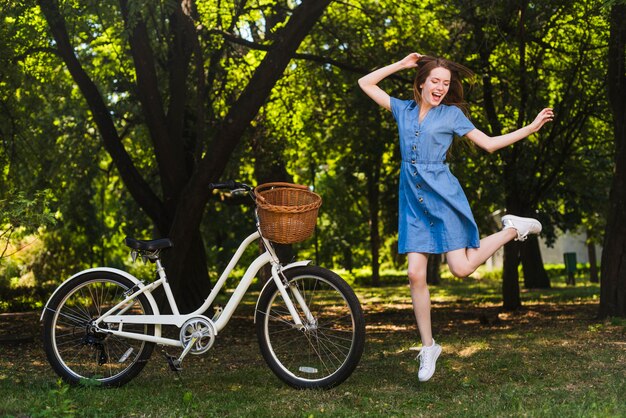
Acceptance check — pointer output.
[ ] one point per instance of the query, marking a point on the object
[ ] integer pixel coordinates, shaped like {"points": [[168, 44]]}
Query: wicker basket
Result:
{"points": [[287, 212]]}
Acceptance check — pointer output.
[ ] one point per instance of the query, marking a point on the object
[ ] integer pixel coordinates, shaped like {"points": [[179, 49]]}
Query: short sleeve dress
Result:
{"points": [[434, 214]]}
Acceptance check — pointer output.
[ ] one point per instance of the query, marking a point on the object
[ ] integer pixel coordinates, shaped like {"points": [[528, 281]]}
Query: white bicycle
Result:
{"points": [[102, 324]]}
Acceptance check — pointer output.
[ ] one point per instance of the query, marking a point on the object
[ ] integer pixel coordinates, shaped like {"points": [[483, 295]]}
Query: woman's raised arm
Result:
{"points": [[369, 83], [491, 144]]}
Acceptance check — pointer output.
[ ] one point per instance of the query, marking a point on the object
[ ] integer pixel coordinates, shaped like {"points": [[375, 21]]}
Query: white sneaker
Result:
{"points": [[428, 360], [523, 226]]}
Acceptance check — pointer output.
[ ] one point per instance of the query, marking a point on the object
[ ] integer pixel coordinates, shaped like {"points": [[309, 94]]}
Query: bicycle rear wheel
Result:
{"points": [[328, 349], [76, 350]]}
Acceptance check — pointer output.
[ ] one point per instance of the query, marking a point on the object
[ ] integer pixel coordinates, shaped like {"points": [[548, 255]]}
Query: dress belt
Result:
{"points": [[423, 162]]}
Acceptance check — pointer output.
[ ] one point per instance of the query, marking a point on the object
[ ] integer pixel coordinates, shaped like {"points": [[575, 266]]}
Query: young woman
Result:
{"points": [[434, 214]]}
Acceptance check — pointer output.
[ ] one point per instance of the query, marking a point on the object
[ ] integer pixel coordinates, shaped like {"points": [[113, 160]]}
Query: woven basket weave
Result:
{"points": [[287, 212]]}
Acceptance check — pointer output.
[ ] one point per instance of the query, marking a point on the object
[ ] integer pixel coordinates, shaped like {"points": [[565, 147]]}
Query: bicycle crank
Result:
{"points": [[197, 336]]}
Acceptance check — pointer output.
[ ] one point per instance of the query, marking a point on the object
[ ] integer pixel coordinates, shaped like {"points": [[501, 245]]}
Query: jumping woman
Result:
{"points": [[434, 214]]}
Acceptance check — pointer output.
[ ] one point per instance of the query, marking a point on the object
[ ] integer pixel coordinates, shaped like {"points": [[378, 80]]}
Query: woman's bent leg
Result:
{"points": [[465, 261], [420, 295]]}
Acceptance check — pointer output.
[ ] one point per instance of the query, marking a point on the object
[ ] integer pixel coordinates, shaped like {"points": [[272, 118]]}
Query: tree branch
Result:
{"points": [[308, 57], [137, 186], [242, 112], [167, 149], [183, 44]]}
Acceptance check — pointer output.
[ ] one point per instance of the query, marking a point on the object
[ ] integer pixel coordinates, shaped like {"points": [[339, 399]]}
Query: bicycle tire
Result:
{"points": [[328, 349], [80, 355]]}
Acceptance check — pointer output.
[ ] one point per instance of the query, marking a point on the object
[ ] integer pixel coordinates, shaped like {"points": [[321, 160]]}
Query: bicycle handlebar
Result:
{"points": [[230, 185]]}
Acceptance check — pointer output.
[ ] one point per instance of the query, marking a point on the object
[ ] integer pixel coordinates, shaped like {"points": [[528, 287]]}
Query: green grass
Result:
{"points": [[551, 359]]}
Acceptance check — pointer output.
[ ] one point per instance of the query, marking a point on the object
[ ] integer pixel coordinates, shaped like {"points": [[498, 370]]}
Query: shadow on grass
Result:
{"points": [[535, 362]]}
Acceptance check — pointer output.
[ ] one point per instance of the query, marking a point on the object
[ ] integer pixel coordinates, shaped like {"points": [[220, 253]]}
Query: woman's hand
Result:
{"points": [[411, 60], [491, 144], [546, 115]]}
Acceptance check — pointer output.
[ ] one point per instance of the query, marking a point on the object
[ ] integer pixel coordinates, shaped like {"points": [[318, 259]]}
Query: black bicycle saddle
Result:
{"points": [[151, 245]]}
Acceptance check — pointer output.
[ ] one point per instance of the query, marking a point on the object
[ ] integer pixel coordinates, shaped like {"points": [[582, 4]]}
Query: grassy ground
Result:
{"points": [[553, 358]]}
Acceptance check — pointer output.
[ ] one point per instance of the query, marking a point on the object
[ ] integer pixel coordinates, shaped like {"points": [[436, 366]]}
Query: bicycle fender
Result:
{"points": [[286, 267], [129, 276]]}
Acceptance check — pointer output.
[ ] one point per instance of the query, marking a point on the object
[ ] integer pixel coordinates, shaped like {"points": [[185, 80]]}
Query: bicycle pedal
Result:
{"points": [[174, 363]]}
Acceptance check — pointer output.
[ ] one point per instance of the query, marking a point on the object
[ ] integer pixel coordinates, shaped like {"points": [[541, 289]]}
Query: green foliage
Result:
{"points": [[21, 215], [316, 128], [551, 60], [50, 147]]}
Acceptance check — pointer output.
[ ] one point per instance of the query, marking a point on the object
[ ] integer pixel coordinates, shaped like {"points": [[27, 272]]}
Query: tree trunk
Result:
{"points": [[373, 198], [201, 286], [179, 213], [432, 269], [375, 249], [535, 276], [192, 200], [593, 262], [510, 277], [348, 261], [613, 275]]}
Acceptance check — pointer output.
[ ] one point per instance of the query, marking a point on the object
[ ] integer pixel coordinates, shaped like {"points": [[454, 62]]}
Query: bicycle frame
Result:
{"points": [[177, 319]]}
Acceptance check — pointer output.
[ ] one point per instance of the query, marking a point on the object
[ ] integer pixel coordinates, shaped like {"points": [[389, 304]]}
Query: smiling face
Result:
{"points": [[438, 81], [435, 87]]}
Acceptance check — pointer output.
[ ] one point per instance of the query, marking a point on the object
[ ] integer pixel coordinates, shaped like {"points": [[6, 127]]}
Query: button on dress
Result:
{"points": [[434, 214]]}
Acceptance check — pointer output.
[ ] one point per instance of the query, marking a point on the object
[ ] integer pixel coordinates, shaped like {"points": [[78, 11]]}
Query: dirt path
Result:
{"points": [[20, 327]]}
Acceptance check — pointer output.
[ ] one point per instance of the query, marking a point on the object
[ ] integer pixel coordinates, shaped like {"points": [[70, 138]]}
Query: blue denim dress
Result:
{"points": [[434, 214]]}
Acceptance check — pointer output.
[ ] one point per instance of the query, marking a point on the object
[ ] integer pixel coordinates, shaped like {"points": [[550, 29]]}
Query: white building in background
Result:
{"points": [[568, 243], [565, 243]]}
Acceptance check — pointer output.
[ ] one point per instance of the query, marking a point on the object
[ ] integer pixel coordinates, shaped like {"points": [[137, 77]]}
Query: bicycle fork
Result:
{"points": [[282, 288]]}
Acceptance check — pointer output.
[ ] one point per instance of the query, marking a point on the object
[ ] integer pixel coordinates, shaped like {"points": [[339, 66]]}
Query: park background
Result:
{"points": [[116, 115]]}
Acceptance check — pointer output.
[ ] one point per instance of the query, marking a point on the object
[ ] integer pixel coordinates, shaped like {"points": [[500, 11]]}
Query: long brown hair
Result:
{"points": [[457, 73]]}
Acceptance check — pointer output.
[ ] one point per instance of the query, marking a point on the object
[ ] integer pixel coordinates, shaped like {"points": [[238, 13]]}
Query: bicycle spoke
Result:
{"points": [[322, 352], [316, 350], [78, 350]]}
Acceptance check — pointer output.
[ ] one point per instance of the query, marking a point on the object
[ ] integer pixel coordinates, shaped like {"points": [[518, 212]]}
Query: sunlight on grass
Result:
{"points": [[532, 362], [473, 348]]}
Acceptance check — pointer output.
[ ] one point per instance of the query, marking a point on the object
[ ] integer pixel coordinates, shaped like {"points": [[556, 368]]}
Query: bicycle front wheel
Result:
{"points": [[327, 350], [76, 349]]}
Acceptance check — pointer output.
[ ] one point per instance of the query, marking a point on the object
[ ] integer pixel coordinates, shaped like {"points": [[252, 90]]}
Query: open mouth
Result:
{"points": [[437, 96]]}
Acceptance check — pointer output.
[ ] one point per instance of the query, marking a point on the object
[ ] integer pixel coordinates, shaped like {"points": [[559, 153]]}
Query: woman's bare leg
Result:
{"points": [[465, 261], [420, 295]]}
